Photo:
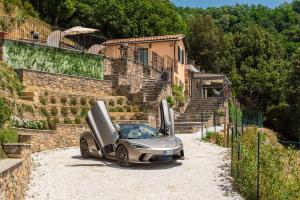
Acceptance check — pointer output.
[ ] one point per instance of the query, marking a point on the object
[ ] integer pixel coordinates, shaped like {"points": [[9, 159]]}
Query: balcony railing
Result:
{"points": [[36, 32], [157, 61]]}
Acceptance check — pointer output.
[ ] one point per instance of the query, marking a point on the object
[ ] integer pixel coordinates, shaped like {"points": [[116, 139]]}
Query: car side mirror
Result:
{"points": [[117, 127]]}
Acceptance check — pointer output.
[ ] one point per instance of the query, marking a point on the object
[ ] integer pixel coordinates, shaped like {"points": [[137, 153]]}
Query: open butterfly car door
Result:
{"points": [[167, 126], [103, 130]]}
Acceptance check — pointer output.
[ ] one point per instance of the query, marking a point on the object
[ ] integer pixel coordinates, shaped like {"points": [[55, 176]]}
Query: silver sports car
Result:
{"points": [[130, 143]]}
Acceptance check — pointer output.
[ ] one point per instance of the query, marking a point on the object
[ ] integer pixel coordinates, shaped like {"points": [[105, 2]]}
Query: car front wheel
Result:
{"points": [[84, 148], [122, 156]]}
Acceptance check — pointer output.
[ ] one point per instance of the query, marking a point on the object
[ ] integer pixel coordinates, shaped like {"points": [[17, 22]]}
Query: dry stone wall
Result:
{"points": [[63, 136], [64, 83], [14, 176]]}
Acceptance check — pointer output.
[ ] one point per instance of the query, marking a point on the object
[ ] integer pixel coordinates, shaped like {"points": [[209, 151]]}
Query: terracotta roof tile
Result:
{"points": [[144, 39]]}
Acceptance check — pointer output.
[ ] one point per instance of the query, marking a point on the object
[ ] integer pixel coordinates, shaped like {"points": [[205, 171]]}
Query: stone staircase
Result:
{"points": [[191, 120], [150, 93]]}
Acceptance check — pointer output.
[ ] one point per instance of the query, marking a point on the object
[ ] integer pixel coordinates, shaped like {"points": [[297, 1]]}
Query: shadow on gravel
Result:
{"points": [[114, 164], [227, 185]]}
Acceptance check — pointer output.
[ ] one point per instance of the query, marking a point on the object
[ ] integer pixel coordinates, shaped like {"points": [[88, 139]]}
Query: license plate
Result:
{"points": [[170, 152]]}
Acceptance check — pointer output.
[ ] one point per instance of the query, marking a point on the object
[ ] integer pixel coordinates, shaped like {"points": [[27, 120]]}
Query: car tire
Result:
{"points": [[84, 148], [122, 156]]}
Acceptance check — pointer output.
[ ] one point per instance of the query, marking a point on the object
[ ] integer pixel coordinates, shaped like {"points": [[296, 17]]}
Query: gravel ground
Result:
{"points": [[204, 174]]}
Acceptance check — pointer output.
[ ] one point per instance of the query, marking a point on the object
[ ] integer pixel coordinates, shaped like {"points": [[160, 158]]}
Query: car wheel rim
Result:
{"points": [[122, 156], [83, 147]]}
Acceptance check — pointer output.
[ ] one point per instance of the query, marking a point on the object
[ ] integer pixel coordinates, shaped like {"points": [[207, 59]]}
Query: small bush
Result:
{"points": [[53, 100], [8, 136], [83, 101], [63, 100], [73, 101], [64, 111], [120, 101], [84, 111], [113, 110], [67, 121], [170, 101], [43, 100], [120, 109], [46, 93], [28, 108], [74, 110], [20, 110], [30, 124], [129, 108], [54, 111], [77, 120], [44, 112], [92, 101], [111, 103], [55, 121], [214, 137], [178, 94]]}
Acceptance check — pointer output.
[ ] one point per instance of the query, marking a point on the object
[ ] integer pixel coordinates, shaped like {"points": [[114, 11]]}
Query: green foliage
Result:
{"points": [[8, 136], [77, 120], [73, 101], [279, 170], [8, 79], [44, 112], [68, 121], [111, 103], [214, 137], [120, 101], [5, 112], [119, 109], [83, 101], [43, 100], [28, 108], [235, 113], [74, 110], [64, 111], [53, 100], [178, 94], [29, 124], [63, 100], [54, 111], [171, 101], [129, 19], [84, 111], [55, 121], [21, 55], [92, 101], [129, 108]]}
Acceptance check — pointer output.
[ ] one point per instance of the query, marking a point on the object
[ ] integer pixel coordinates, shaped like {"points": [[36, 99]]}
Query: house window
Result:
{"points": [[180, 55]]}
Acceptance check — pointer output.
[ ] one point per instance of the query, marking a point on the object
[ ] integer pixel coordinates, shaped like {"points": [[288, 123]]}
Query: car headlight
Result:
{"points": [[139, 146], [179, 142]]}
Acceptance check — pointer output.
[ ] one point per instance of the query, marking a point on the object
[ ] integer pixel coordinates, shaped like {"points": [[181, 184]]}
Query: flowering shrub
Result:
{"points": [[30, 124]]}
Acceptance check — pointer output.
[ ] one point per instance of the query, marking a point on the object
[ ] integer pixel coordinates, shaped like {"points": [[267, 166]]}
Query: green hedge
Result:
{"points": [[279, 169], [29, 56]]}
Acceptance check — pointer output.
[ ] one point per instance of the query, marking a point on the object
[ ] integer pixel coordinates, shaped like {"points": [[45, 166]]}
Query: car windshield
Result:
{"points": [[139, 131]]}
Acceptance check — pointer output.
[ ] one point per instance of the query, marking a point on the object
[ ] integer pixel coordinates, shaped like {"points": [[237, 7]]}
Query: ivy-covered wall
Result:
{"points": [[29, 56]]}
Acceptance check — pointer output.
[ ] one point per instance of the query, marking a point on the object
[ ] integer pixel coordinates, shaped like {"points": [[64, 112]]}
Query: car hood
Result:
{"points": [[163, 142]]}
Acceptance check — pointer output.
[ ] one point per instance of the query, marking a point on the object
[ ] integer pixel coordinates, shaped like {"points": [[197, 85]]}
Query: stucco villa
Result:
{"points": [[165, 53]]}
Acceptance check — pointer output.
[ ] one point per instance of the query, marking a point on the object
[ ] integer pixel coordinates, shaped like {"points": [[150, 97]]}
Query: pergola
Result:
{"points": [[205, 85]]}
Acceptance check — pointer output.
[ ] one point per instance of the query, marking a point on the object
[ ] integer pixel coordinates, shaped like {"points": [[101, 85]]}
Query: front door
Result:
{"points": [[102, 127]]}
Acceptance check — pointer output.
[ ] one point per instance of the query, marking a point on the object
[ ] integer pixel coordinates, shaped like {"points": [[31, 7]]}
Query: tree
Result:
{"points": [[293, 95], [55, 11], [260, 70], [206, 42]]}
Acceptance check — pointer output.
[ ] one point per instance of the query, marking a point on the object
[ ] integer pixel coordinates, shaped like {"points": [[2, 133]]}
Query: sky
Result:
{"points": [[218, 3]]}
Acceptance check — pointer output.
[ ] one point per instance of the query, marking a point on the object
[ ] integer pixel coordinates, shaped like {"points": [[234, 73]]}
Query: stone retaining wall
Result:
{"points": [[64, 83], [14, 176], [127, 75], [63, 136]]}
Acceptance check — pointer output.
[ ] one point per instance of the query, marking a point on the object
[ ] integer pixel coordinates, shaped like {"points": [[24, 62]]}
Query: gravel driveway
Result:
{"points": [[62, 174]]}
